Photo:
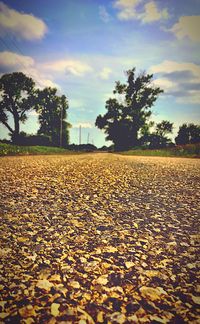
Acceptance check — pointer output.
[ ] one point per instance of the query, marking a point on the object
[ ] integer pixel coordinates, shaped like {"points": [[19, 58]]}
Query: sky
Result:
{"points": [[82, 47]]}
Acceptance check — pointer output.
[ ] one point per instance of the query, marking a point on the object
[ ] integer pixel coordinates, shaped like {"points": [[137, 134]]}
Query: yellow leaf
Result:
{"points": [[111, 249], [55, 277], [86, 316], [55, 309], [152, 293], [135, 225], [129, 264], [22, 239], [102, 280], [151, 273], [105, 265], [87, 296], [29, 320], [44, 284], [74, 284], [27, 311], [76, 223], [100, 317], [196, 299], [4, 315], [191, 265]]}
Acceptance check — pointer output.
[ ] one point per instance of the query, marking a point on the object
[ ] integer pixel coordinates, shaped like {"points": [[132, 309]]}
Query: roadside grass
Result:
{"points": [[188, 150], [9, 149]]}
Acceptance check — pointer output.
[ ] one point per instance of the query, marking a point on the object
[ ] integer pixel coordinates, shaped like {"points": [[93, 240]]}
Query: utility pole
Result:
{"points": [[61, 125], [80, 135], [88, 138]]}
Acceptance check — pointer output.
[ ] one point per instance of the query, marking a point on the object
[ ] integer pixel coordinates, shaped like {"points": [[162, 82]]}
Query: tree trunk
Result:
{"points": [[15, 135]]}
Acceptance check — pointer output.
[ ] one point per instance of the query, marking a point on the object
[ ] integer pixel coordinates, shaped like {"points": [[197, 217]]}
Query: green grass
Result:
{"points": [[189, 150], [8, 149]]}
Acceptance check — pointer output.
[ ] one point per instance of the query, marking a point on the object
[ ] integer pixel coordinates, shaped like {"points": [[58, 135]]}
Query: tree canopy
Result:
{"points": [[16, 99], [52, 110], [188, 134], [158, 138], [130, 111]]}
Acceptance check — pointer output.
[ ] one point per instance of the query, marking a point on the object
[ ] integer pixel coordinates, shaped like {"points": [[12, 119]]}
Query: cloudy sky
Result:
{"points": [[83, 46]]}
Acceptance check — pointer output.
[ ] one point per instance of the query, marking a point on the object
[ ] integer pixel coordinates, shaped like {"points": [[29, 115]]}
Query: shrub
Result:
{"points": [[31, 140]]}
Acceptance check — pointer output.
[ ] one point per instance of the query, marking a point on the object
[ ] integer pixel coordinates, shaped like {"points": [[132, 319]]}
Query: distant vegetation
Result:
{"points": [[11, 149], [126, 123], [19, 96], [128, 114], [189, 150], [127, 120]]}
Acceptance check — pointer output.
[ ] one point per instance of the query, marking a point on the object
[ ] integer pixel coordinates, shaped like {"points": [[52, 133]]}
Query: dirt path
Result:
{"points": [[99, 238]]}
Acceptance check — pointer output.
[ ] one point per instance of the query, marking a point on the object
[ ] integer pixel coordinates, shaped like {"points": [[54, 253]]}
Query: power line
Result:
{"points": [[16, 46], [19, 62]]}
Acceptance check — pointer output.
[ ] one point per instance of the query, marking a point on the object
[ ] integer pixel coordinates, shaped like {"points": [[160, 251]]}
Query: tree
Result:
{"points": [[145, 133], [130, 112], [52, 114], [159, 139], [188, 134], [16, 99], [194, 133]]}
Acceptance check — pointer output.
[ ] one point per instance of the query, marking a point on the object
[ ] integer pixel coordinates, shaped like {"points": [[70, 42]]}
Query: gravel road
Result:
{"points": [[99, 238]]}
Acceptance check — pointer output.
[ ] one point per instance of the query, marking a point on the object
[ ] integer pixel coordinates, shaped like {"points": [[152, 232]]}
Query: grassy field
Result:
{"points": [[189, 150], [8, 149]]}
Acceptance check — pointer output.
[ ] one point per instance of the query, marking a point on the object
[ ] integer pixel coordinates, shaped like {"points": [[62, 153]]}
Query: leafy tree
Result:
{"points": [[159, 139], [145, 133], [16, 99], [52, 114], [164, 128], [194, 133], [183, 136], [188, 134], [128, 113]]}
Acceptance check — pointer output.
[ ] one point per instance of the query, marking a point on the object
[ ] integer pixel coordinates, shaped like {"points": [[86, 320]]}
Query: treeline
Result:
{"points": [[19, 96], [127, 120], [126, 123]]}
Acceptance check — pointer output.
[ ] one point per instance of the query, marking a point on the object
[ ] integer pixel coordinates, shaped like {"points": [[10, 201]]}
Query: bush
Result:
{"points": [[32, 140], [82, 147]]}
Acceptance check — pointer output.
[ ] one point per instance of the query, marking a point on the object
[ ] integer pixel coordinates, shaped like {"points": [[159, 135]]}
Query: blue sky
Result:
{"points": [[82, 47]]}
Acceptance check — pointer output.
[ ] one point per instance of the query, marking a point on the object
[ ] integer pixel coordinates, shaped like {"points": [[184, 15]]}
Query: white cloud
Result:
{"points": [[104, 15], [187, 26], [171, 66], [83, 125], [192, 98], [105, 73], [181, 80], [70, 66], [152, 13], [127, 8], [10, 59], [41, 78], [164, 83], [131, 9], [23, 25], [78, 105]]}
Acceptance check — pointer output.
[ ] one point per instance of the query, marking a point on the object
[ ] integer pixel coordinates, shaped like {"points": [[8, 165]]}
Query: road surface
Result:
{"points": [[99, 238]]}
